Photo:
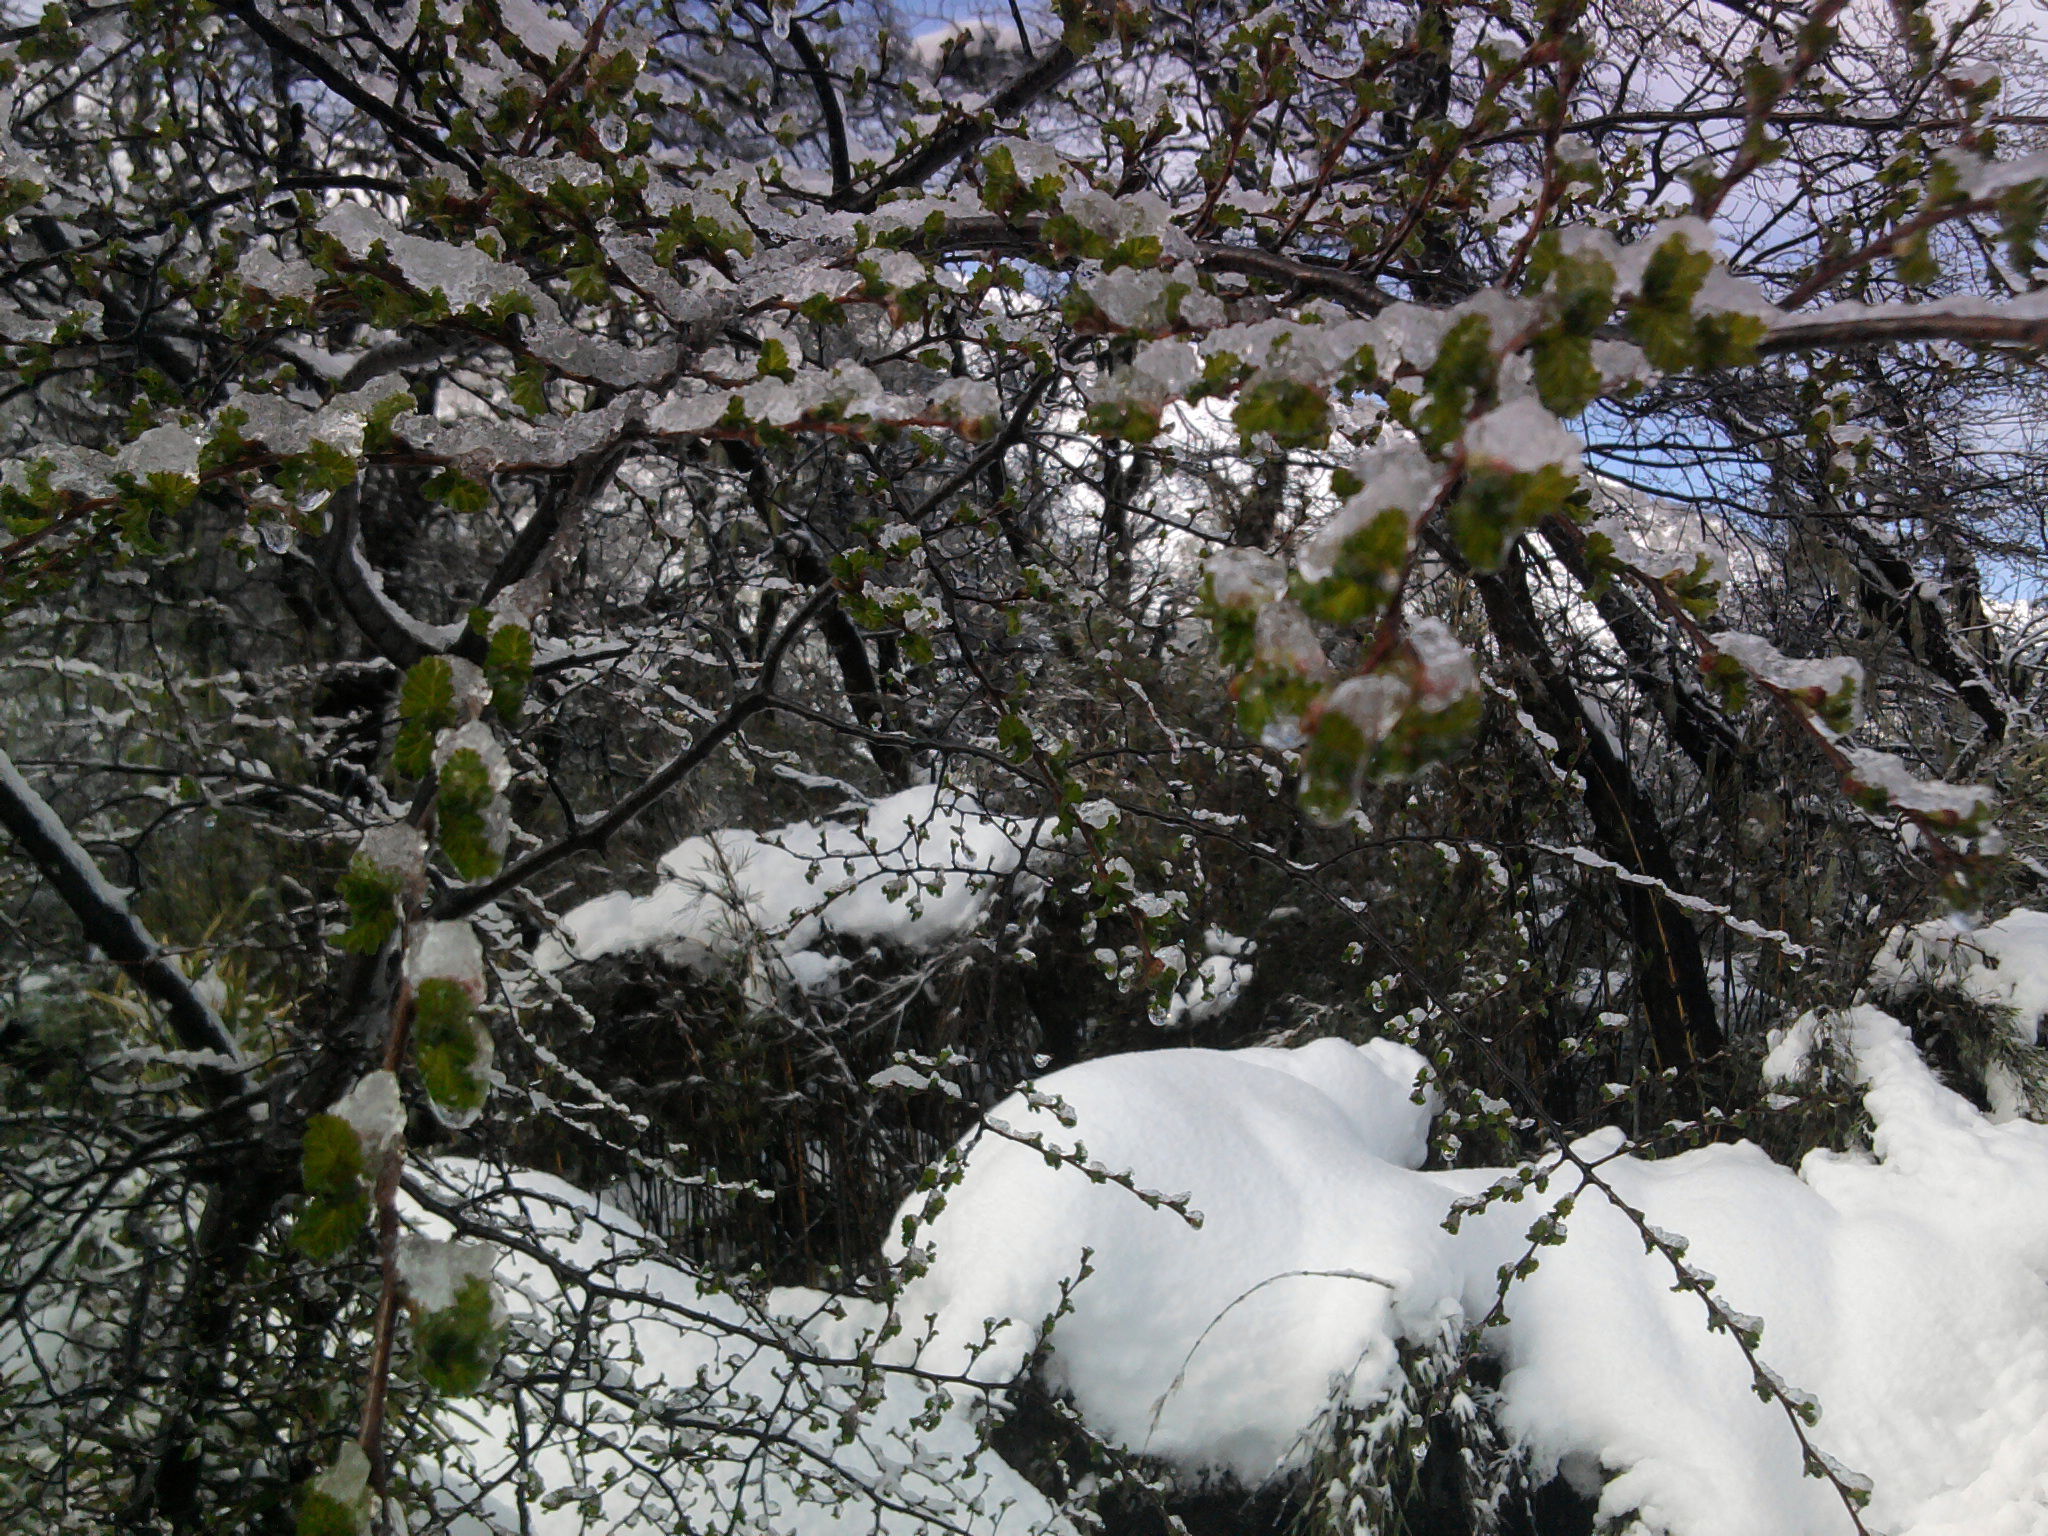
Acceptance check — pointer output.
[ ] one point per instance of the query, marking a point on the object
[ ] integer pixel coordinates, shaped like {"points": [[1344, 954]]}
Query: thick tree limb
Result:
{"points": [[104, 914], [1889, 590], [1892, 329], [396, 635], [828, 108], [1671, 973], [1728, 768]]}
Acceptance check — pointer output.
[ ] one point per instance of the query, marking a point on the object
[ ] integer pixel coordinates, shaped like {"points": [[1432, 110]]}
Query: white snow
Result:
{"points": [[476, 737], [165, 450], [373, 1110], [1245, 578], [1398, 475], [974, 38], [915, 869], [1284, 639], [1210, 991], [1522, 437], [2003, 963], [1659, 539], [449, 952], [467, 277], [1902, 1288], [434, 1270], [1904, 790], [1826, 676], [779, 1378]]}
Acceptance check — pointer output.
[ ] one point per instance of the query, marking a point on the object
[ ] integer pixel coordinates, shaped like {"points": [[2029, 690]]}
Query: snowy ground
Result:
{"points": [[1902, 1291]]}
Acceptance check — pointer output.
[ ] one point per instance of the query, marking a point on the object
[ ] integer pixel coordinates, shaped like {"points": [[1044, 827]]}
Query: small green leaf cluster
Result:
{"points": [[1494, 507], [1366, 574], [464, 824], [338, 1501], [1387, 725], [372, 894], [451, 1045], [508, 669], [1292, 413], [426, 707], [1459, 382], [1007, 192], [1578, 292], [1068, 237], [1664, 320], [456, 1347], [331, 1170]]}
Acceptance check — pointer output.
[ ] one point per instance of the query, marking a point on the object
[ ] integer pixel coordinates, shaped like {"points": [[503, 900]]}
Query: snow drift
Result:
{"points": [[912, 869], [694, 1410], [1903, 1289]]}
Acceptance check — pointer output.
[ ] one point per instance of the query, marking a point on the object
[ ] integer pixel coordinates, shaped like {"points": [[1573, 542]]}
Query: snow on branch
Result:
{"points": [[104, 914]]}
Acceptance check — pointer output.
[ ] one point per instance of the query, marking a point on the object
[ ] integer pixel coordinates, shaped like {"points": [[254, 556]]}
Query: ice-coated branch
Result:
{"points": [[1897, 324], [338, 79], [104, 914], [1314, 279], [397, 635], [828, 108], [960, 137], [593, 836]]}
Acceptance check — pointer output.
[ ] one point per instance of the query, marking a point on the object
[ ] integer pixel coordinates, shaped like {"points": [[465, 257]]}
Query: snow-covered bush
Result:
{"points": [[681, 595]]}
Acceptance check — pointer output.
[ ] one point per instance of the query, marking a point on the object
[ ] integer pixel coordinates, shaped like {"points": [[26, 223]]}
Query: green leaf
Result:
{"points": [[426, 706], [456, 1348], [412, 752], [331, 1172], [508, 668], [1729, 340], [1496, 507], [331, 1157], [337, 1502], [1293, 414], [457, 491], [446, 1044], [1660, 320], [1461, 376], [1014, 738], [1331, 765], [462, 816], [428, 694], [371, 892], [321, 1514], [1366, 573], [530, 389], [1566, 380], [326, 1229]]}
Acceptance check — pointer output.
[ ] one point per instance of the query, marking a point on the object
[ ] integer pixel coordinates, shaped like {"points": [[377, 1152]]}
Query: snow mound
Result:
{"points": [[2001, 965], [1903, 1288], [741, 1407], [916, 869], [1302, 1165], [2004, 964]]}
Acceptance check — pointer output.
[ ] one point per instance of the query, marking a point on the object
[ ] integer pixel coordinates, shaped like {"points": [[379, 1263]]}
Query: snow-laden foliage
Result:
{"points": [[689, 593], [1893, 1299]]}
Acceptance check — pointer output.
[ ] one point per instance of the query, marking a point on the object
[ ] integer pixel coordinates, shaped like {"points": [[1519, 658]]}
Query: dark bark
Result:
{"points": [[1889, 590], [1670, 970], [103, 913], [1728, 768]]}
